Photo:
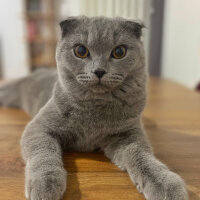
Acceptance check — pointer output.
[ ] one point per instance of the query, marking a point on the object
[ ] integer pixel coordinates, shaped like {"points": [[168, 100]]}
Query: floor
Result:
{"points": [[172, 121]]}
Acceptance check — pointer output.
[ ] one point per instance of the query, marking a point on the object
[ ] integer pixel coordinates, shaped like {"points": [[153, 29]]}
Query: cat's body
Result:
{"points": [[29, 93], [95, 102]]}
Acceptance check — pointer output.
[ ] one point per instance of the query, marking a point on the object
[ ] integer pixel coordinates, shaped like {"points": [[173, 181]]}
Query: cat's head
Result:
{"points": [[99, 53]]}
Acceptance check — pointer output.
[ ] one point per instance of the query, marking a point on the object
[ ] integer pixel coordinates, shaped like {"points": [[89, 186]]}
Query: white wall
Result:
{"points": [[14, 57], [126, 8], [181, 47], [69, 8]]}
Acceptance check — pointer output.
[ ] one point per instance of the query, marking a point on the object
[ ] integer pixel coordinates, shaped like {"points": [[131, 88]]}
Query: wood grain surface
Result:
{"points": [[172, 121]]}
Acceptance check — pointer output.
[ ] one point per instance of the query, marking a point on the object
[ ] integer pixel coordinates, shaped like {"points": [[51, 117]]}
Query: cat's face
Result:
{"points": [[99, 53]]}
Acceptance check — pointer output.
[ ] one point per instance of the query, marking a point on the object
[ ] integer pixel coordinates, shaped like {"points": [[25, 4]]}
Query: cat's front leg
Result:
{"points": [[45, 176], [130, 151], [41, 143]]}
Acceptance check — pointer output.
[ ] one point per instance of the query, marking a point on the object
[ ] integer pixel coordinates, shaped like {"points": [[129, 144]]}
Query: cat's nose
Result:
{"points": [[99, 73]]}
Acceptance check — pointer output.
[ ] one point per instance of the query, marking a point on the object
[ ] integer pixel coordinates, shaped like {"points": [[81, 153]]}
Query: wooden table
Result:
{"points": [[172, 120]]}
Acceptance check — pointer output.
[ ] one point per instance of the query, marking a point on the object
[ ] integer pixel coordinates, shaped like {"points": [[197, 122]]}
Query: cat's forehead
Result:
{"points": [[100, 29], [102, 25]]}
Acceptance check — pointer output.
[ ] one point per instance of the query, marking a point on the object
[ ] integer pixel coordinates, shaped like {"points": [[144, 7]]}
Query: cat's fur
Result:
{"points": [[78, 114]]}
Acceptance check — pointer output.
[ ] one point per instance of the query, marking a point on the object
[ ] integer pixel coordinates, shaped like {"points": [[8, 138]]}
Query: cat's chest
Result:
{"points": [[99, 120], [91, 127]]}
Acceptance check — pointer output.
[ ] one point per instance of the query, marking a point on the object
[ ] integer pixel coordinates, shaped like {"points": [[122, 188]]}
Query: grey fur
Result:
{"points": [[72, 112]]}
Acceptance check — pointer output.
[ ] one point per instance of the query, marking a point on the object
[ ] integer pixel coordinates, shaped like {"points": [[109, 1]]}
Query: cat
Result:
{"points": [[94, 100]]}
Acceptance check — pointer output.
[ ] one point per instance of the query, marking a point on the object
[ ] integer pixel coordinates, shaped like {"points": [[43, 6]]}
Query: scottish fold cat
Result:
{"points": [[93, 100]]}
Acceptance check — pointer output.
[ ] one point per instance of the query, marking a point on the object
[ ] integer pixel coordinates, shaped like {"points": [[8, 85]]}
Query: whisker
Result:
{"points": [[118, 78], [82, 73], [117, 74]]}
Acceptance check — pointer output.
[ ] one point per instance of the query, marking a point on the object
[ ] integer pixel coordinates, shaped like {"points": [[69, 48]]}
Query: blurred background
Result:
{"points": [[29, 31]]}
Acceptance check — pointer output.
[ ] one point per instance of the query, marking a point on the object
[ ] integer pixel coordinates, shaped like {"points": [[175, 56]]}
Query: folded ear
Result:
{"points": [[68, 25], [135, 27]]}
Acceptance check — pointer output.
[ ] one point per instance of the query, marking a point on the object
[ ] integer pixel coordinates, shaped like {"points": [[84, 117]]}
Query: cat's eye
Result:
{"points": [[118, 52], [81, 51]]}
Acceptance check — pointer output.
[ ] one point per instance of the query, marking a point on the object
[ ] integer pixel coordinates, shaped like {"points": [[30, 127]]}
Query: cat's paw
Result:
{"points": [[171, 188], [48, 186]]}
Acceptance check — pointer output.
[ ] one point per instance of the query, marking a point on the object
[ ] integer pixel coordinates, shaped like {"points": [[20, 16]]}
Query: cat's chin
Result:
{"points": [[97, 90], [100, 89]]}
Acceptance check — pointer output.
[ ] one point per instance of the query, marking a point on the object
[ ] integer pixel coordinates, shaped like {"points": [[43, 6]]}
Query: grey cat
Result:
{"points": [[94, 101]]}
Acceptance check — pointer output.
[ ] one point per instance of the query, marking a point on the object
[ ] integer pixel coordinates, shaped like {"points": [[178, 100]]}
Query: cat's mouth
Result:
{"points": [[99, 87]]}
